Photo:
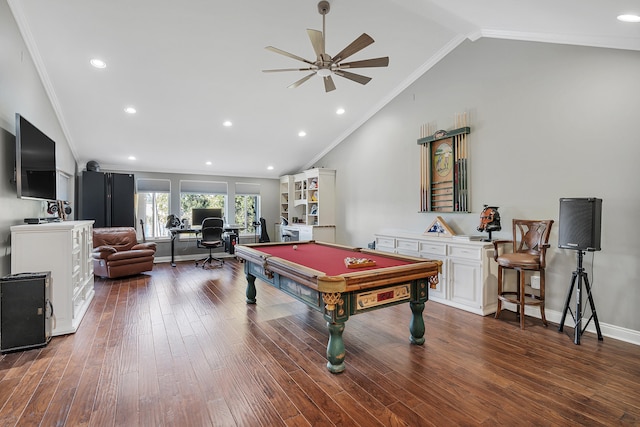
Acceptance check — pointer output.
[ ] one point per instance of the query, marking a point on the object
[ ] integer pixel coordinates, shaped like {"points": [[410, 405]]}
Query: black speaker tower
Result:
{"points": [[579, 229]]}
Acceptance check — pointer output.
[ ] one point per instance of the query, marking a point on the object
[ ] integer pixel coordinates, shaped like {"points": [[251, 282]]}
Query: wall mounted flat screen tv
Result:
{"points": [[35, 162]]}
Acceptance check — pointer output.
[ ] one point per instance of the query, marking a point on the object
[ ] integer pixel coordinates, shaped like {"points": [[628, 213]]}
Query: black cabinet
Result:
{"points": [[107, 198], [25, 311]]}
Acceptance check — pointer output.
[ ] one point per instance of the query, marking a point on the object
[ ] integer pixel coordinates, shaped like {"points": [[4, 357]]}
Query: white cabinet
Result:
{"points": [[310, 197], [468, 279], [320, 197], [64, 249], [299, 209], [286, 196]]}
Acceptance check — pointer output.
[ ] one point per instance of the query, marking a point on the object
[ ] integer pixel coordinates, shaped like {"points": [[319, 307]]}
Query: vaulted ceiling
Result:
{"points": [[189, 66]]}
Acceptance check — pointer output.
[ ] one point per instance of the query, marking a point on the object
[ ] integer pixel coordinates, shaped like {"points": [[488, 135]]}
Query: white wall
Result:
{"points": [[21, 91], [547, 121]]}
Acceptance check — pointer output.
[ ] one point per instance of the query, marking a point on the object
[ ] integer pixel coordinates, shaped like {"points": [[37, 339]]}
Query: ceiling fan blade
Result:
{"points": [[287, 69], [365, 63], [363, 80], [357, 45], [302, 80], [290, 55], [328, 84], [317, 41]]}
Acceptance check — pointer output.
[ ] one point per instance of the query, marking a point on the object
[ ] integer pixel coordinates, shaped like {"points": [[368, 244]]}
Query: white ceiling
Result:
{"points": [[187, 66]]}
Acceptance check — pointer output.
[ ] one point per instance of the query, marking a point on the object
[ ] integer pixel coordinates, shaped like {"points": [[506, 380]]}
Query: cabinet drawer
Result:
{"points": [[407, 245], [433, 248], [385, 242], [465, 252]]}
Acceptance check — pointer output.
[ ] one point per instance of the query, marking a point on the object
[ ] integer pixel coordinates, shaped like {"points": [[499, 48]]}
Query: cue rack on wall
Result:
{"points": [[444, 158]]}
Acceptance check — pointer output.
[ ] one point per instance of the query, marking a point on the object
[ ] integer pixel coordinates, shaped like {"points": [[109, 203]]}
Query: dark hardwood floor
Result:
{"points": [[179, 347]]}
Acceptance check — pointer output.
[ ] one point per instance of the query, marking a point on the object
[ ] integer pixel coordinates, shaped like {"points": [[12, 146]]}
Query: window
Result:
{"points": [[247, 206], [153, 207], [201, 194]]}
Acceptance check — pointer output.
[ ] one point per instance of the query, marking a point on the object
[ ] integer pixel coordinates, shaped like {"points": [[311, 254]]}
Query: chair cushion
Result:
{"points": [[130, 255], [519, 260], [212, 243]]}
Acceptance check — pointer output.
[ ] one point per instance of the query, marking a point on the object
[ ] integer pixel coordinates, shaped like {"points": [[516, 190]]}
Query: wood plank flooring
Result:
{"points": [[179, 347]]}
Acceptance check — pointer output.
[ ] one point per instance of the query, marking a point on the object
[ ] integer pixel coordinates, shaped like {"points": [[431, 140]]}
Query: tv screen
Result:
{"points": [[198, 215], [35, 162]]}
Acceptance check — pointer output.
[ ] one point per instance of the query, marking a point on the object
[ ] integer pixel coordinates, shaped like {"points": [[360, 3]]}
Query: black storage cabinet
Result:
{"points": [[107, 198], [25, 311]]}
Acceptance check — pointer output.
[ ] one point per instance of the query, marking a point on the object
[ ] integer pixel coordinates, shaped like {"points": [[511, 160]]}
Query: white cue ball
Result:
{"points": [[295, 247]]}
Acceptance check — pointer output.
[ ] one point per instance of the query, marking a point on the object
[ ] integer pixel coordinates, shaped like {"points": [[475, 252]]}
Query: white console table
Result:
{"points": [[64, 249], [469, 275]]}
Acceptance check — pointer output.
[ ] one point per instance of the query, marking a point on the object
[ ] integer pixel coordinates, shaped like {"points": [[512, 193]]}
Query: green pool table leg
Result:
{"points": [[335, 347], [416, 327], [251, 289]]}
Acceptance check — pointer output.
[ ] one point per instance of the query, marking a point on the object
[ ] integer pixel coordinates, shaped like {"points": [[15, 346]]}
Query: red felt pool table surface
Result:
{"points": [[328, 259]]}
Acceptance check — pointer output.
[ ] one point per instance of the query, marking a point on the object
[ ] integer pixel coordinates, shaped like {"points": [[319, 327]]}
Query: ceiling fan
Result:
{"points": [[325, 65]]}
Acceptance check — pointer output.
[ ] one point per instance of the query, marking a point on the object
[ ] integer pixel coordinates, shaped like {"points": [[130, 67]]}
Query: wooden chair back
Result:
{"points": [[532, 237]]}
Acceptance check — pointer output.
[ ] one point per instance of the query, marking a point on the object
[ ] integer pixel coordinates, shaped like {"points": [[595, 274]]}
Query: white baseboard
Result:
{"points": [[611, 331]]}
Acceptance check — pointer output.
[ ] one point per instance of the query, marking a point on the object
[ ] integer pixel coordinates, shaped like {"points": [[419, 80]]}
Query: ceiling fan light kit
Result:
{"points": [[325, 66]]}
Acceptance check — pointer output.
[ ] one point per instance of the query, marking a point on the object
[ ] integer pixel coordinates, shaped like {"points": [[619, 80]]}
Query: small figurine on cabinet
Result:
{"points": [[489, 220]]}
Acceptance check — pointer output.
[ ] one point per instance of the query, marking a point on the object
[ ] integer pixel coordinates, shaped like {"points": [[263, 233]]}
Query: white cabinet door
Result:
{"points": [[437, 251], [465, 282], [438, 292]]}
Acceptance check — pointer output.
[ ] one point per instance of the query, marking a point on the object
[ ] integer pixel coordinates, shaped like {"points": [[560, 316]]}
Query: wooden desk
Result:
{"points": [[234, 228]]}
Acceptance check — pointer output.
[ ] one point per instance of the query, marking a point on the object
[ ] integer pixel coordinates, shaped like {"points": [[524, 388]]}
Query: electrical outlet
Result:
{"points": [[535, 282]]}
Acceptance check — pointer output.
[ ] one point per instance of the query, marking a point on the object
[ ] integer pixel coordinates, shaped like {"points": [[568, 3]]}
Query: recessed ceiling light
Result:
{"points": [[208, 163], [270, 167], [98, 63], [629, 18], [131, 157], [130, 110], [340, 111], [227, 123], [302, 133]]}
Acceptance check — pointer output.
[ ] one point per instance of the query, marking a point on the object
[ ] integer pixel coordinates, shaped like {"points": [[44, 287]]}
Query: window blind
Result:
{"points": [[247, 189], [203, 187], [147, 185]]}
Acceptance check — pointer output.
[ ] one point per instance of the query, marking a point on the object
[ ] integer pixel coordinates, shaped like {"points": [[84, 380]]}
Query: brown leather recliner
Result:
{"points": [[117, 253]]}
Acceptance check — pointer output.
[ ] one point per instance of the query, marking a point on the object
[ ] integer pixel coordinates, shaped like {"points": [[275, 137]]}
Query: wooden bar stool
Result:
{"points": [[530, 243]]}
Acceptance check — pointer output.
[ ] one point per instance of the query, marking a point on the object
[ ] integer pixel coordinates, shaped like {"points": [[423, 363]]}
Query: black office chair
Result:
{"points": [[211, 238]]}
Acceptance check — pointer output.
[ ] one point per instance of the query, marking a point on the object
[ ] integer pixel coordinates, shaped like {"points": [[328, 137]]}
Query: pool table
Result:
{"points": [[341, 281]]}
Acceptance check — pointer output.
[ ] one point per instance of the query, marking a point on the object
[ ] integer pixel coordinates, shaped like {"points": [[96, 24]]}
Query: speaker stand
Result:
{"points": [[581, 276]]}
